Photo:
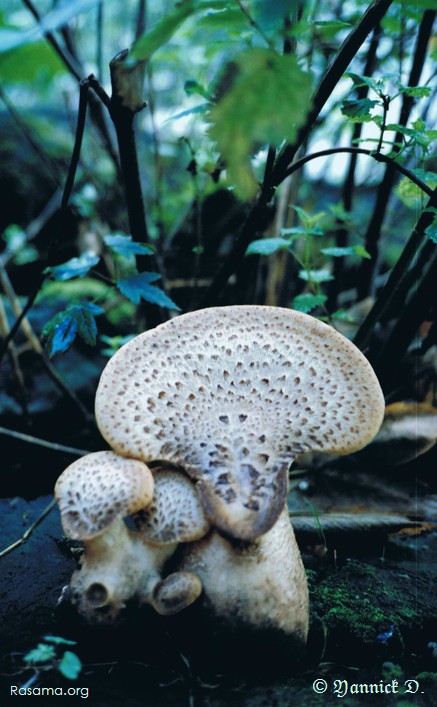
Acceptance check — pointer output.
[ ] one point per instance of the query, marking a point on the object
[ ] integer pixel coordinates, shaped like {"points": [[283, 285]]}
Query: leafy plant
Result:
{"points": [[51, 656]]}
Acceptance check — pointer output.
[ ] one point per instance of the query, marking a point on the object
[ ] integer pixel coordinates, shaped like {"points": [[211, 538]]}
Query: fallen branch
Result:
{"points": [[43, 442], [29, 530]]}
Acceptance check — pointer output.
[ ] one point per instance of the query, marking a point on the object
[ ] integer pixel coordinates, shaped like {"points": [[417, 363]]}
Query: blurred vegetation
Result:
{"points": [[161, 157]]}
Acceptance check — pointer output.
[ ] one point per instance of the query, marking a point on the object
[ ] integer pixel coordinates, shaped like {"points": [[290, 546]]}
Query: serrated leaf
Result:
{"points": [[161, 32], [76, 267], [139, 287], [431, 233], [41, 654], [266, 104], [365, 81], [76, 319], [416, 91], [358, 111], [267, 246], [318, 276], [60, 332], [340, 252], [60, 641], [70, 665], [125, 246], [86, 325], [307, 302]]}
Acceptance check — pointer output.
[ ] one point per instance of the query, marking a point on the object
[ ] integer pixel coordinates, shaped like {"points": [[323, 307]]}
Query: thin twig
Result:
{"points": [[37, 347], [64, 203], [378, 156], [50, 164], [395, 281], [29, 530], [372, 16], [371, 240], [43, 442]]}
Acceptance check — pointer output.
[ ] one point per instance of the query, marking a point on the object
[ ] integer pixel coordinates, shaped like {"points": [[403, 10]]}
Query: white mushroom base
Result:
{"points": [[260, 584]]}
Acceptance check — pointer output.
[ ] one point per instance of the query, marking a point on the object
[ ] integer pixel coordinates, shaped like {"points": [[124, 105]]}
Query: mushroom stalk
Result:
{"points": [[260, 583], [117, 565]]}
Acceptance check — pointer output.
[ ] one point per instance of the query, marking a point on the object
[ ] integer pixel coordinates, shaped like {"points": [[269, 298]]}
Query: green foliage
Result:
{"points": [[137, 287], [76, 320], [308, 301], [46, 656], [70, 666], [60, 16], [162, 32], [125, 246], [340, 252], [431, 233], [267, 246], [41, 654], [17, 245], [358, 111], [75, 267], [266, 104]]}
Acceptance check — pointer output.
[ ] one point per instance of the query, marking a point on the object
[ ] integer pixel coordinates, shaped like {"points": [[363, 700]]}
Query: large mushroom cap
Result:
{"points": [[233, 394], [98, 488]]}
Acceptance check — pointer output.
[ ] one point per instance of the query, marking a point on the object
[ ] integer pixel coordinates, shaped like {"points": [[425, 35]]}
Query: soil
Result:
{"points": [[373, 621]]}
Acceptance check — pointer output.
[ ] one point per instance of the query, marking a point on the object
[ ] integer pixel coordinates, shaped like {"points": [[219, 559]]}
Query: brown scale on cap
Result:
{"points": [[233, 395], [175, 514], [98, 488]]}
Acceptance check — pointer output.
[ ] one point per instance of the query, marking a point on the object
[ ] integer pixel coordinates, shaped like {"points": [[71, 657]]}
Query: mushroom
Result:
{"points": [[233, 395], [174, 516], [94, 494], [259, 584]]}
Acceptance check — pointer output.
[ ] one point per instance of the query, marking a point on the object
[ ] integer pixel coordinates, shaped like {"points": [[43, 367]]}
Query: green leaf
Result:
{"points": [[329, 28], [360, 81], [266, 104], [70, 665], [267, 246], [307, 302], [416, 91], [41, 654], [125, 246], [138, 287], [113, 343], [193, 88], [316, 275], [76, 319], [225, 19], [59, 333], [431, 233], [358, 111], [161, 32], [339, 252], [76, 267], [59, 641], [29, 62]]}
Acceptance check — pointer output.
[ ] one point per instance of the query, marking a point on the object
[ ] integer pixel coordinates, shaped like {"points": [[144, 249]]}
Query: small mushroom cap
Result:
{"points": [[174, 593], [175, 514], [98, 488], [233, 395]]}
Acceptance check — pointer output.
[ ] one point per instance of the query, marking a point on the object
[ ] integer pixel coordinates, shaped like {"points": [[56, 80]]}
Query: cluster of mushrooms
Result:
{"points": [[204, 416]]}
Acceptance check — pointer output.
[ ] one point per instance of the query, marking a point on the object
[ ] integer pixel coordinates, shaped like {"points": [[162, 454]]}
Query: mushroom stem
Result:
{"points": [[116, 566], [261, 583]]}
